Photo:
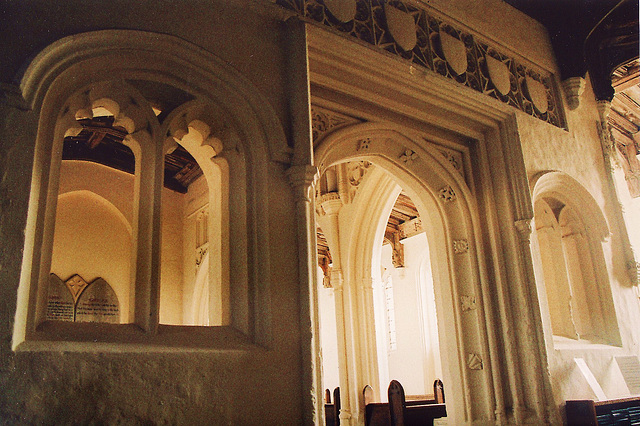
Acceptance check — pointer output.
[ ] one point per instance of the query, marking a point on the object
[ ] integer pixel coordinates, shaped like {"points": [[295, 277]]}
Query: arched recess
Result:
{"points": [[570, 232], [199, 129], [447, 208], [66, 80]]}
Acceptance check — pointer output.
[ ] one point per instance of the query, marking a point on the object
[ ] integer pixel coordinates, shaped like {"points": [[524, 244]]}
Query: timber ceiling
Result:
{"points": [[403, 211], [101, 142]]}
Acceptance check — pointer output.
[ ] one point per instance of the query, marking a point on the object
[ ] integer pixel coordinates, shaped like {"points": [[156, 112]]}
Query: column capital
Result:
{"points": [[331, 202], [523, 226], [302, 178]]}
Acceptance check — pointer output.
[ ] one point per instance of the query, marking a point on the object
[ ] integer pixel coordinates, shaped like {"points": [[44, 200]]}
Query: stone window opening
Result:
{"points": [[571, 264]]}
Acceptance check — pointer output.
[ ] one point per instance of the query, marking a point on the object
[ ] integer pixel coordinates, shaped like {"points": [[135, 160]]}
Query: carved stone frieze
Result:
{"points": [[447, 194], [460, 246], [325, 121], [416, 34]]}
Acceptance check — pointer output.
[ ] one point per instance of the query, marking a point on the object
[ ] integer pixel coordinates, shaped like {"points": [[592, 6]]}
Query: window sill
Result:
{"points": [[119, 338], [567, 344]]}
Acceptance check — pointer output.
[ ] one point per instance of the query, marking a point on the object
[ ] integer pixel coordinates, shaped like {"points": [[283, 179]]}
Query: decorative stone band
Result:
{"points": [[414, 34]]}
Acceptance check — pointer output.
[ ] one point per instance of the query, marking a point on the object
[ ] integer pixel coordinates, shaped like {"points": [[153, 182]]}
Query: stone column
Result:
{"points": [[542, 386], [302, 176], [331, 204], [606, 141]]}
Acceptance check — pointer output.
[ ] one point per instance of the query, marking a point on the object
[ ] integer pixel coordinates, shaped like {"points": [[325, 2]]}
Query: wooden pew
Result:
{"points": [[399, 412], [332, 410], [624, 411]]}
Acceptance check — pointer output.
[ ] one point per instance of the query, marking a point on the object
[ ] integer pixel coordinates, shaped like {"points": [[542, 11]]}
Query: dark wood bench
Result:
{"points": [[332, 410], [586, 412], [399, 412]]}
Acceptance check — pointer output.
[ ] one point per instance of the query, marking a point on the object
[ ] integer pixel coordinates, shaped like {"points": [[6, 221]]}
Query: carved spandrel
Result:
{"points": [[60, 301], [324, 121], [76, 285]]}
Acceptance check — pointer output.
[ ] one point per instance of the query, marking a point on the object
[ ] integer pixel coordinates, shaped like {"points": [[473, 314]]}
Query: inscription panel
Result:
{"points": [[98, 303], [94, 302], [60, 303]]}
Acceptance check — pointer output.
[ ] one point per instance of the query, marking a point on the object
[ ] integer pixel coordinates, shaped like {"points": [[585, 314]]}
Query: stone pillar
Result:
{"points": [[606, 141], [331, 205], [302, 176], [542, 386]]}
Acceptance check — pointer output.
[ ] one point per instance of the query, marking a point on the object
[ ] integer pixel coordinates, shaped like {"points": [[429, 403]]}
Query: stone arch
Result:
{"points": [[58, 83], [447, 207], [555, 183], [201, 130], [114, 53], [570, 232]]}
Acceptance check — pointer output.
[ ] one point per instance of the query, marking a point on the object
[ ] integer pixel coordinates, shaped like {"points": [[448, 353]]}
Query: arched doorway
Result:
{"points": [[447, 209]]}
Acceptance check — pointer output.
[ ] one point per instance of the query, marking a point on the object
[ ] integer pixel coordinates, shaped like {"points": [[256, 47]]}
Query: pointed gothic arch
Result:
{"points": [[447, 207]]}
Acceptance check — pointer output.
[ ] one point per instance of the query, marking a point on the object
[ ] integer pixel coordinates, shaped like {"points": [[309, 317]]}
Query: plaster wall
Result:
{"points": [[243, 32], [195, 199], [578, 153], [412, 363], [93, 241], [171, 269], [328, 336]]}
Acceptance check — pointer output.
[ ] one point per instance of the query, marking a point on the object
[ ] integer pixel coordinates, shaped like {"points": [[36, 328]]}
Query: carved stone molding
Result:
{"points": [[330, 203], [468, 303], [408, 156], [356, 170], [364, 144], [447, 194], [454, 158], [474, 361], [573, 89], [415, 34], [460, 246]]}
